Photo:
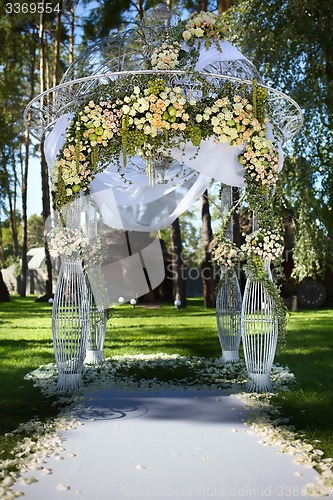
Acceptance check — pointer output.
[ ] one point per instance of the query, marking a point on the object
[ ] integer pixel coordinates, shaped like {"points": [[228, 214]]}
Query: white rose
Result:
{"points": [[199, 32]]}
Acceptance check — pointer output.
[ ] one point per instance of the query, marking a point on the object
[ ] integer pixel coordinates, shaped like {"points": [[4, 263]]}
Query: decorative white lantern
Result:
{"points": [[96, 333], [229, 297], [228, 314], [70, 324], [259, 327]]}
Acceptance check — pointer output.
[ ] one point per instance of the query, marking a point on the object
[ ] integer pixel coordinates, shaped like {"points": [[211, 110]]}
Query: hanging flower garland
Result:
{"points": [[155, 115]]}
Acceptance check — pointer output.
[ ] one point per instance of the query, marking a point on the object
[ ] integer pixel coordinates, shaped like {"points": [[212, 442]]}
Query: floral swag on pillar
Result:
{"points": [[142, 122]]}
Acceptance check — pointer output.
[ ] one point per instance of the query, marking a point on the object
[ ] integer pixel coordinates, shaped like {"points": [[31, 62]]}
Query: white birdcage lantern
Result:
{"points": [[259, 326], [70, 323], [70, 309], [96, 332], [229, 297]]}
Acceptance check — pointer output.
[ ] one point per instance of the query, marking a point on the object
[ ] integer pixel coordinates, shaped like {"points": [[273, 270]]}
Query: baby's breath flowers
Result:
{"points": [[67, 242], [95, 252]]}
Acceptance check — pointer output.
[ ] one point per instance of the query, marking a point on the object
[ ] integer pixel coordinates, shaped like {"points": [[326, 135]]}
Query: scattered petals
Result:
{"points": [[30, 480], [63, 487]]}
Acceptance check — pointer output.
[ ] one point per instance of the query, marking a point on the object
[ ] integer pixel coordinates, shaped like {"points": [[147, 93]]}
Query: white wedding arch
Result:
{"points": [[120, 195]]}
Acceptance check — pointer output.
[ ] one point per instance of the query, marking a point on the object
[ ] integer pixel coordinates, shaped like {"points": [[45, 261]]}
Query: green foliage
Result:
{"points": [[309, 252], [35, 231], [7, 241], [109, 15]]}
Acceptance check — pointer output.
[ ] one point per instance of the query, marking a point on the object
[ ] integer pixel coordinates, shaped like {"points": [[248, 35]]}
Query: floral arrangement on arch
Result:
{"points": [[263, 243], [156, 112], [158, 115], [204, 26]]}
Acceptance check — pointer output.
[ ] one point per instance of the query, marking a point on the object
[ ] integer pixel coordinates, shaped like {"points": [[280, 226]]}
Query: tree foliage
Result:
{"points": [[290, 41]]}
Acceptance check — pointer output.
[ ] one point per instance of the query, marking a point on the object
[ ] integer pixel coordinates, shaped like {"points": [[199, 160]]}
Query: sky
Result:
{"points": [[34, 188]]}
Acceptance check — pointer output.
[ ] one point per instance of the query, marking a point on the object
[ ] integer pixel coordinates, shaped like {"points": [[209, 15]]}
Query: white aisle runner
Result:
{"points": [[170, 444]]}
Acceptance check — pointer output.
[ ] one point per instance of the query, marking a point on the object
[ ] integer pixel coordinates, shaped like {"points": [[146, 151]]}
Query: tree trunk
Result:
{"points": [[57, 47], [179, 282], [46, 211], [12, 210], [4, 294], [24, 187], [139, 6], [204, 5], [329, 103], [223, 5], [207, 268], [72, 33], [2, 251], [46, 214]]}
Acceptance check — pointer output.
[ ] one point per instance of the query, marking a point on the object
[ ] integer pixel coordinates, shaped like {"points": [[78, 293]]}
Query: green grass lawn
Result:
{"points": [[26, 343], [309, 354]]}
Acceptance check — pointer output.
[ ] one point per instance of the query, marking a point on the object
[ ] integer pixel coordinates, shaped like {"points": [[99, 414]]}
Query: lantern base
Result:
{"points": [[93, 357], [229, 357], [258, 382], [68, 382]]}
